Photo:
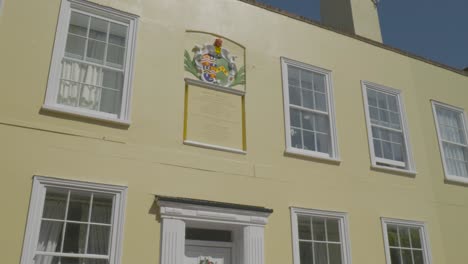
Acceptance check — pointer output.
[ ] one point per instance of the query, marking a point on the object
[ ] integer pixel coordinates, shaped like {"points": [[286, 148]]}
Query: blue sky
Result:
{"points": [[434, 29]]}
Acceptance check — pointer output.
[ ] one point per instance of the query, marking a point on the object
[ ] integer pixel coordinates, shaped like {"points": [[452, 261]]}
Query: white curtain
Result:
{"points": [[452, 130], [51, 232], [456, 160], [79, 85]]}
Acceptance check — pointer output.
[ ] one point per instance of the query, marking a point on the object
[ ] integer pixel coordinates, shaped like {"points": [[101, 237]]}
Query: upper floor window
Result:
{"points": [[309, 110], [319, 237], [387, 128], [405, 242], [74, 222], [451, 131], [92, 65]]}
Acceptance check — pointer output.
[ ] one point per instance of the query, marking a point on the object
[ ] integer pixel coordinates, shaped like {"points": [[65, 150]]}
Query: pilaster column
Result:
{"points": [[173, 241], [254, 245]]}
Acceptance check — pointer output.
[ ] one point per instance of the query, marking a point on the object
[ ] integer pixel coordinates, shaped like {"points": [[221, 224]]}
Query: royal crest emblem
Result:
{"points": [[214, 64]]}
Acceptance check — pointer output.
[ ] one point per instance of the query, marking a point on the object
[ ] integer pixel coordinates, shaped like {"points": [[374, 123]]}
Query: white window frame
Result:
{"points": [[36, 206], [462, 112], [334, 154], [344, 231], [410, 167], [423, 233], [108, 14]]}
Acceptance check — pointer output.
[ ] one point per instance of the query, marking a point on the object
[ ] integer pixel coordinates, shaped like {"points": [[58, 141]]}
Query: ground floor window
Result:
{"points": [[405, 242], [74, 222], [319, 237]]}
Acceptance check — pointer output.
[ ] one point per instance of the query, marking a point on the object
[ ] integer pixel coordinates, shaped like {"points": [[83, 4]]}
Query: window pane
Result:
{"points": [[319, 82], [418, 257], [333, 230], [70, 260], [407, 258], [308, 99], [294, 96], [387, 150], [415, 238], [96, 261], [75, 47], [322, 124], [95, 51], [404, 236], [398, 152], [395, 120], [79, 261], [306, 80], [78, 24], [50, 236], [396, 137], [78, 208], [372, 97], [98, 240], [392, 103], [98, 29], [334, 251], [295, 117], [321, 102], [296, 138], [384, 117], [320, 253], [102, 208], [374, 113], [318, 226], [378, 148], [305, 252], [55, 204], [110, 101], [382, 100], [112, 79], [75, 238], [309, 140], [89, 96], [323, 143], [392, 234], [115, 56], [118, 34], [395, 256], [303, 224], [208, 234], [293, 75], [308, 120]]}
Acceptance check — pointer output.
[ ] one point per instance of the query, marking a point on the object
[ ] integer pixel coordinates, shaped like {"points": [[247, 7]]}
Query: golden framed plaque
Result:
{"points": [[214, 93]]}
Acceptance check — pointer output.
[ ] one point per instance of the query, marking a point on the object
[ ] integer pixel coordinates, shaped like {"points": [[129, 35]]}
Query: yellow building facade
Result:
{"points": [[150, 174]]}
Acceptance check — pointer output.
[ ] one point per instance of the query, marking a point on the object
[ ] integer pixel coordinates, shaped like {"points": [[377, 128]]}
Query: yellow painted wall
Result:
{"points": [[149, 156]]}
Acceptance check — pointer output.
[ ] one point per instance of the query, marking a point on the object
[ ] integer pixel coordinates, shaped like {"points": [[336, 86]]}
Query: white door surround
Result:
{"points": [[246, 223]]}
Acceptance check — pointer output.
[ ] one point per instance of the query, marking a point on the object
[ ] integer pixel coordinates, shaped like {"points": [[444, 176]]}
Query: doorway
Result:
{"points": [[208, 246]]}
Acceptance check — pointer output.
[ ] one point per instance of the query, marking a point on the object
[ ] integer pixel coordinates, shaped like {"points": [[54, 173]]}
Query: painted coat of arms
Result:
{"points": [[214, 64]]}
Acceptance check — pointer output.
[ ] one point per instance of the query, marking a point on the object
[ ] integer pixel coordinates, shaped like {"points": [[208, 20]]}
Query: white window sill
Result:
{"points": [[456, 179], [390, 169], [77, 112], [311, 155]]}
